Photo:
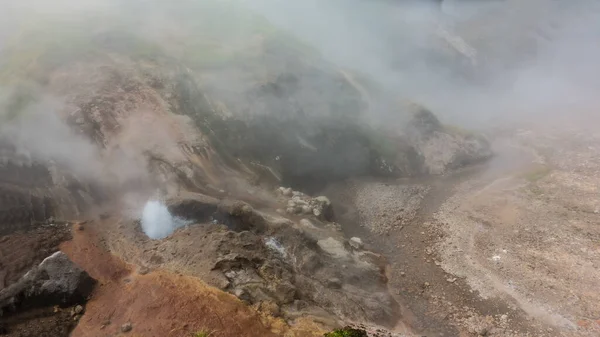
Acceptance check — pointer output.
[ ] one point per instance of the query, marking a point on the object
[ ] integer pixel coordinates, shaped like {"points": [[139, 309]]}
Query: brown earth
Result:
{"points": [[157, 303], [508, 248], [530, 236]]}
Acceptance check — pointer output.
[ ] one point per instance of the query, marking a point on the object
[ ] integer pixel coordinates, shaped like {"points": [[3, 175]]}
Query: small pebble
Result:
{"points": [[126, 327], [78, 310]]}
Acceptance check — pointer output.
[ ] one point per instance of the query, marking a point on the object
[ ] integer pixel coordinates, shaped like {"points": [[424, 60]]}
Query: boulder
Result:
{"points": [[443, 148], [55, 281], [322, 208]]}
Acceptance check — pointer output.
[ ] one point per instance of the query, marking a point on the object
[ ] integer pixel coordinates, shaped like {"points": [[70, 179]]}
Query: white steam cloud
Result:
{"points": [[158, 222]]}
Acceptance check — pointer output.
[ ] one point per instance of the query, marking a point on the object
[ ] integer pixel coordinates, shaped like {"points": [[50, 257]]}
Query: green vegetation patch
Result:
{"points": [[202, 333], [347, 332]]}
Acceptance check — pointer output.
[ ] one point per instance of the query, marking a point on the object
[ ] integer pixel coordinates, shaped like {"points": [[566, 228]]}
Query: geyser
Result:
{"points": [[157, 221]]}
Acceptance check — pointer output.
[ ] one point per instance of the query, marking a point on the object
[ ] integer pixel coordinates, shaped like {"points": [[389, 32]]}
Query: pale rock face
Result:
{"points": [[356, 243], [334, 248]]}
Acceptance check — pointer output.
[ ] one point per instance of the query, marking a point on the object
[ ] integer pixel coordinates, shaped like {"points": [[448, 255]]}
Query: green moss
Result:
{"points": [[346, 332], [202, 333]]}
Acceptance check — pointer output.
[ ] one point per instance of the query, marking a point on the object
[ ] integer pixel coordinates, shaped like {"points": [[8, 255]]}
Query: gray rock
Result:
{"points": [[323, 200], [126, 327], [356, 243], [322, 208], [299, 201], [284, 292], [306, 209], [77, 310], [287, 192], [317, 212], [484, 331], [242, 295], [55, 281]]}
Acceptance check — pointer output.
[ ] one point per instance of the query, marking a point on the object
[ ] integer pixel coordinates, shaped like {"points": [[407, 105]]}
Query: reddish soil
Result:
{"points": [[158, 304]]}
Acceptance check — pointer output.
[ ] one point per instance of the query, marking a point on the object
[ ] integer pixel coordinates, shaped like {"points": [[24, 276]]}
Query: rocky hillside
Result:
{"points": [[102, 112]]}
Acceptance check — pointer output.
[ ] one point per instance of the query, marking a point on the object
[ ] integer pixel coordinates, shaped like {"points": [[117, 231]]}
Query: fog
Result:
{"points": [[157, 222], [473, 63], [465, 59], [512, 60]]}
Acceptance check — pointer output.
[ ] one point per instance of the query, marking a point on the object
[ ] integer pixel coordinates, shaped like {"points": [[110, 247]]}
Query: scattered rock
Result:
{"points": [[307, 223], [443, 148], [269, 308], [356, 243], [334, 283], [77, 310], [451, 279], [242, 295], [322, 208], [333, 247], [126, 327], [306, 209], [143, 270], [287, 192]]}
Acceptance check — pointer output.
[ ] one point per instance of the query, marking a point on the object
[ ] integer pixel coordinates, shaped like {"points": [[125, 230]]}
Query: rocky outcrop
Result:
{"points": [[296, 267], [300, 203], [290, 267], [55, 281], [152, 125], [444, 148]]}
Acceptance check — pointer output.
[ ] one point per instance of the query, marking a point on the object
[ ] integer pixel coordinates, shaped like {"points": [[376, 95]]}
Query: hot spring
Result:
{"points": [[158, 222]]}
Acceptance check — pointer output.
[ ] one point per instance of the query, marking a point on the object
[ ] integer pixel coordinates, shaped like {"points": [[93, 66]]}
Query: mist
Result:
{"points": [[468, 61], [473, 63], [157, 222], [510, 60]]}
